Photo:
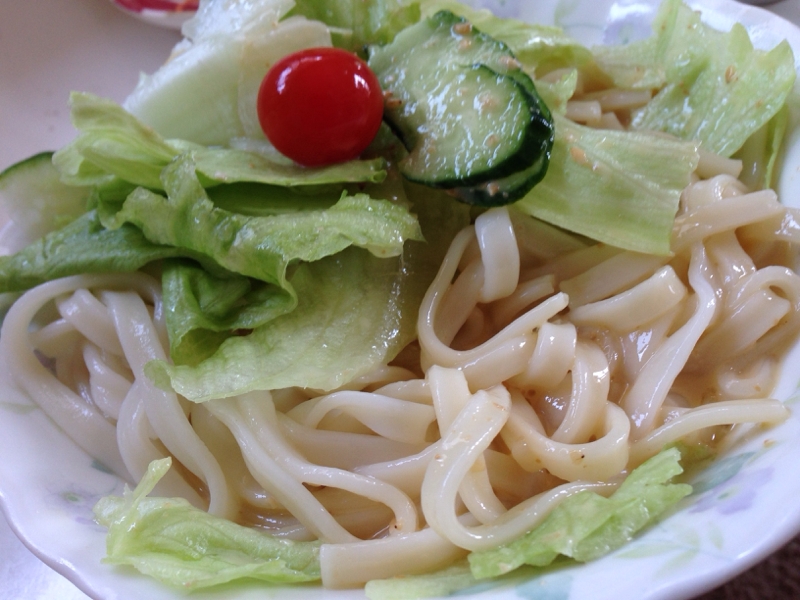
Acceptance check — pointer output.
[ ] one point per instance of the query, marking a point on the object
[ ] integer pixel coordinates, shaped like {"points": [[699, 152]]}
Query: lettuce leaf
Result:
{"points": [[714, 87], [362, 23], [349, 317], [82, 246], [587, 526], [205, 91], [183, 546], [203, 310], [759, 154], [261, 247], [113, 145], [617, 187], [583, 527], [354, 312]]}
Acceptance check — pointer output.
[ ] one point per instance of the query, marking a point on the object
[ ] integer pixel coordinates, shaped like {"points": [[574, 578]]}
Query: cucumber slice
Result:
{"points": [[34, 201], [505, 190], [462, 106]]}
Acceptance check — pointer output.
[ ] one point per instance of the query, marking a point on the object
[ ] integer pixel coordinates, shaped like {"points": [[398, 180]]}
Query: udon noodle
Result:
{"points": [[544, 365]]}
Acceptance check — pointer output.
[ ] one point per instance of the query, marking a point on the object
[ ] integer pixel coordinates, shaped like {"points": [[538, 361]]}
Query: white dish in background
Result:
{"points": [[743, 508]]}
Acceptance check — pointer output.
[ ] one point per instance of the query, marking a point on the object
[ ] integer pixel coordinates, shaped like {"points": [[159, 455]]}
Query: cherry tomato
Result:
{"points": [[320, 106]]}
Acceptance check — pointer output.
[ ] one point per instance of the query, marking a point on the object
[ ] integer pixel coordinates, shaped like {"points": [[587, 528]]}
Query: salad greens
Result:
{"points": [[642, 176], [261, 247], [180, 545], [265, 212], [583, 527], [276, 275], [587, 526], [713, 86], [113, 146]]}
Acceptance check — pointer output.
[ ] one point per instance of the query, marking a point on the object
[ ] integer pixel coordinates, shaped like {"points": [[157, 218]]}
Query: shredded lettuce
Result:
{"points": [[183, 546]]}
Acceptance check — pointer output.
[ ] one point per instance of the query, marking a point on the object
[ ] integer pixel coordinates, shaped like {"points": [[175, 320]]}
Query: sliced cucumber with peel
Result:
{"points": [[34, 201], [468, 115], [505, 190]]}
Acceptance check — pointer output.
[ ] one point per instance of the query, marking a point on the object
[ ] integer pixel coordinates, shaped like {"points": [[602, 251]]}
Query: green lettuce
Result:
{"points": [[714, 87], [617, 187], [354, 312], [760, 153], [205, 92], [111, 143], [350, 316], [540, 48], [261, 247], [587, 526], [359, 23], [183, 546], [82, 246], [202, 310], [114, 146], [583, 527], [438, 584]]}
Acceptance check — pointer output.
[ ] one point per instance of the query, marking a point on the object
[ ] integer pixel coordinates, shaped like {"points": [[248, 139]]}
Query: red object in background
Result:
{"points": [[162, 5], [320, 106]]}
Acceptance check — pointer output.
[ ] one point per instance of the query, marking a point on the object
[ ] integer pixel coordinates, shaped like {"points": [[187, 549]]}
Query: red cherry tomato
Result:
{"points": [[320, 106]]}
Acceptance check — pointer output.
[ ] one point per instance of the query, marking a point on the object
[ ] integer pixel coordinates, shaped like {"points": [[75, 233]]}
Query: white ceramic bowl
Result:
{"points": [[743, 508]]}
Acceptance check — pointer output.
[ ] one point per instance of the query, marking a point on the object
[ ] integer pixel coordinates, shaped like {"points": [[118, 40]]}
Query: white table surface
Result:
{"points": [[22, 575]]}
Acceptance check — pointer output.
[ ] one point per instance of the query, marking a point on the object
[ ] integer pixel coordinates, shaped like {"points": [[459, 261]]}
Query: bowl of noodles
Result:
{"points": [[542, 367]]}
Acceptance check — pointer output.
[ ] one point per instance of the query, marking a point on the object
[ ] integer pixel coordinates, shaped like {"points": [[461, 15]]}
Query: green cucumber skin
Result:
{"points": [[34, 201], [533, 144], [26, 163], [501, 192]]}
